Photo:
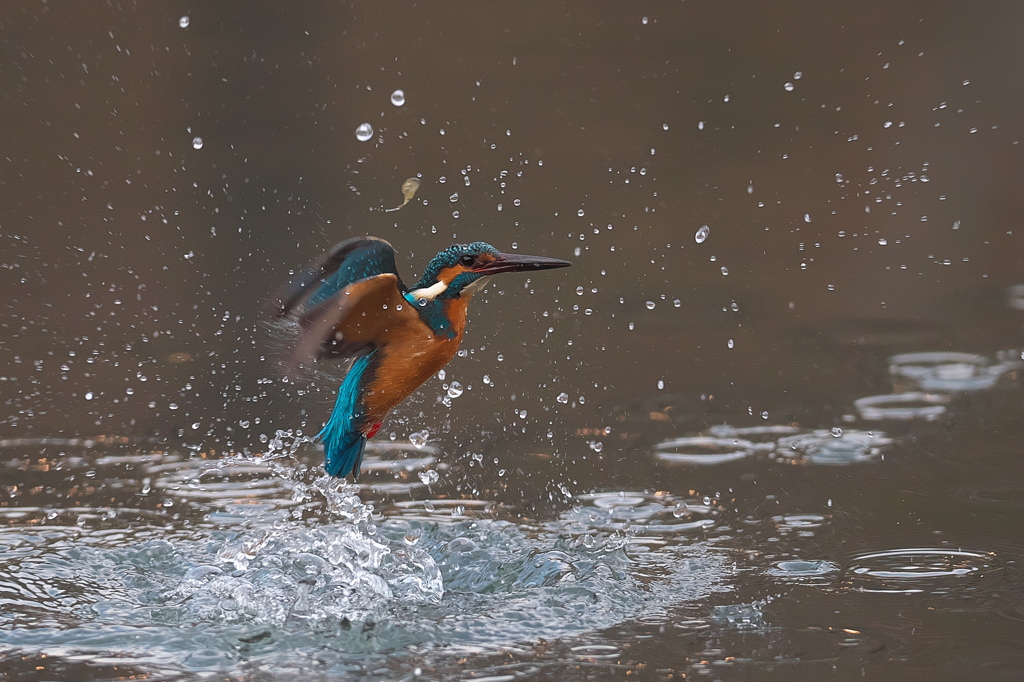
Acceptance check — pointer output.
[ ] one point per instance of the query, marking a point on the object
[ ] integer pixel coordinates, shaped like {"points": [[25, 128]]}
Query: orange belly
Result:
{"points": [[408, 359]]}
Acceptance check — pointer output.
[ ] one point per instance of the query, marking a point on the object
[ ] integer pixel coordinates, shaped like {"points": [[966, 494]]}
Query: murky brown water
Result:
{"points": [[581, 510]]}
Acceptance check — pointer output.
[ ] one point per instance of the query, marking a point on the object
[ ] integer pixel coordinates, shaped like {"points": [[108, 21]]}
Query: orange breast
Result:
{"points": [[411, 355]]}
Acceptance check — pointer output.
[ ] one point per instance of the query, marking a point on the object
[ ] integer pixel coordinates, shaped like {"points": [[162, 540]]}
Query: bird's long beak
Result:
{"points": [[514, 262]]}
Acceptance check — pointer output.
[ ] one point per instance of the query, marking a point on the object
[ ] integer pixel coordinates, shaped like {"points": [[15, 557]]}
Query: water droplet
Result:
{"points": [[454, 197], [398, 98], [730, 343], [650, 305], [837, 432], [419, 438], [664, 126], [725, 271], [596, 446], [677, 303], [563, 398], [789, 87], [197, 142], [89, 395], [580, 213], [702, 234], [661, 384], [429, 477], [364, 132], [807, 217], [882, 241], [839, 177], [455, 390], [579, 291], [183, 22], [441, 374], [764, 414]]}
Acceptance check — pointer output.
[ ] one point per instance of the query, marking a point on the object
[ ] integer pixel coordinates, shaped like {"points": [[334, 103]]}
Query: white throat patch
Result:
{"points": [[429, 293]]}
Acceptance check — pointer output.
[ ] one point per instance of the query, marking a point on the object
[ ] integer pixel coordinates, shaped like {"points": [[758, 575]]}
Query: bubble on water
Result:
{"points": [[197, 142], [398, 97], [454, 390], [650, 305], [364, 132], [702, 234], [429, 476], [419, 438], [183, 22], [563, 398]]}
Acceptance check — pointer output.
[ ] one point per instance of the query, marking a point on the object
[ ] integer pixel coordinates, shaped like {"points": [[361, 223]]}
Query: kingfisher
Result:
{"points": [[351, 303]]}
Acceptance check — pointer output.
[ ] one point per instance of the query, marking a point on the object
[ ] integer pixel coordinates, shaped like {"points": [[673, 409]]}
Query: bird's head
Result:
{"points": [[461, 269]]}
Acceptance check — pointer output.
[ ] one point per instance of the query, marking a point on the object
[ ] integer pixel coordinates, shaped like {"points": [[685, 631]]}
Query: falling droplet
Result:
{"points": [[661, 384], [580, 213], [454, 197], [563, 398], [789, 87], [89, 396], [650, 305], [579, 291], [730, 343], [837, 432], [364, 132], [183, 22], [398, 98], [702, 234], [419, 438], [725, 271], [197, 142], [429, 477], [882, 241], [455, 390]]}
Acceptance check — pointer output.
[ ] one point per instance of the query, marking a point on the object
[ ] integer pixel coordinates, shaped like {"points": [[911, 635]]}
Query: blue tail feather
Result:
{"points": [[342, 437]]}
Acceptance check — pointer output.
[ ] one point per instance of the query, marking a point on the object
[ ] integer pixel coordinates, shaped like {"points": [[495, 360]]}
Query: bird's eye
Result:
{"points": [[467, 260]]}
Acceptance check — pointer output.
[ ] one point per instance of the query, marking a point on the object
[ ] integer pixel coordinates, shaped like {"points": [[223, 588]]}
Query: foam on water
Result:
{"points": [[260, 560]]}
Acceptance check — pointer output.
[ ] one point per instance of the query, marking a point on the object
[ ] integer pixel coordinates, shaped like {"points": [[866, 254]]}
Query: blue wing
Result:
{"points": [[346, 262]]}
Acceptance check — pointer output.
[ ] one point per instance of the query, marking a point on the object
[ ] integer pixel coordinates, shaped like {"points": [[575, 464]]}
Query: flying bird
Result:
{"points": [[351, 303]]}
